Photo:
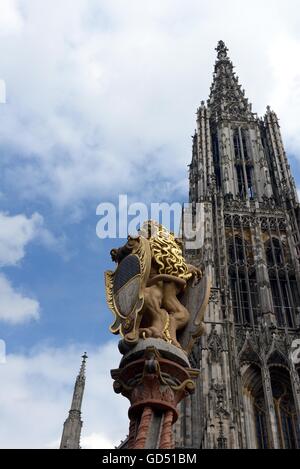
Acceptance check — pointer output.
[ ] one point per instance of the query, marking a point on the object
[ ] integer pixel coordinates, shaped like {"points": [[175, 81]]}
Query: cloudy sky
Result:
{"points": [[101, 98]]}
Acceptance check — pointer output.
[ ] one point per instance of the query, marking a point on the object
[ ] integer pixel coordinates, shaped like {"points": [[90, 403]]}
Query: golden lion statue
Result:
{"points": [[145, 292]]}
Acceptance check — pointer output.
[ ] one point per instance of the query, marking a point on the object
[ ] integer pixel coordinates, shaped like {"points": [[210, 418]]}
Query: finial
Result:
{"points": [[82, 368], [222, 50]]}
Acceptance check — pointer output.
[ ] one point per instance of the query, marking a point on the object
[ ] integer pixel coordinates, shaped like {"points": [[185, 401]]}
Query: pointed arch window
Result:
{"points": [[216, 156], [284, 404], [261, 427], [240, 180], [237, 144], [287, 425], [283, 284], [256, 409], [243, 164], [249, 172], [274, 252], [245, 144], [243, 282], [236, 251]]}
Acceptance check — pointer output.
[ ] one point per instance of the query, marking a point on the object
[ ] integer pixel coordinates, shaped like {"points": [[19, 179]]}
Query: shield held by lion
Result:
{"points": [[125, 290]]}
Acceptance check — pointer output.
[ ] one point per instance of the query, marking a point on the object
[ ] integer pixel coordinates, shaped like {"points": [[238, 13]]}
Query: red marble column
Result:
{"points": [[154, 386], [166, 438], [143, 430], [132, 433]]}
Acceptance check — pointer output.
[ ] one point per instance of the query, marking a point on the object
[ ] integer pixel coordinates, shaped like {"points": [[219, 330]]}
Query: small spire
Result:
{"points": [[73, 424], [83, 365]]}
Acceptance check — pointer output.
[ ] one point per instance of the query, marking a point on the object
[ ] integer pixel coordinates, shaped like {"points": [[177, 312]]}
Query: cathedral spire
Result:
{"points": [[73, 424], [227, 98]]}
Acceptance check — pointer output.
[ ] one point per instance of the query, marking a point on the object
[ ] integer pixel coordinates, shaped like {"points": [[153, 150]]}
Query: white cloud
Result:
{"points": [[15, 233], [14, 307], [286, 91], [108, 90], [97, 441], [36, 392], [10, 18]]}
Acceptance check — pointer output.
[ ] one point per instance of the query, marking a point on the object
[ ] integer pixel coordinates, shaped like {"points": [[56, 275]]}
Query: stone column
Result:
{"points": [[155, 376], [263, 282], [271, 417]]}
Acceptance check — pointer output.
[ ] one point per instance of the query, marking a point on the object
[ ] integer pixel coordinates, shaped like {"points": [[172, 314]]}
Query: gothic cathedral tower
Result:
{"points": [[248, 395]]}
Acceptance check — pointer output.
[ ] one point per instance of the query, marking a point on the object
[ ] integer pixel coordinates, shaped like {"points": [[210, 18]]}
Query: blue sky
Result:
{"points": [[101, 101]]}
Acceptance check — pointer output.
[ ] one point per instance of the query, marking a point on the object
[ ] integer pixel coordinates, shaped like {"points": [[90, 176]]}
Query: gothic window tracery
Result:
{"points": [[243, 164], [287, 425], [286, 416], [274, 252], [236, 251], [255, 404], [283, 284], [216, 156], [240, 180], [245, 144], [237, 145], [261, 421], [242, 278], [249, 172]]}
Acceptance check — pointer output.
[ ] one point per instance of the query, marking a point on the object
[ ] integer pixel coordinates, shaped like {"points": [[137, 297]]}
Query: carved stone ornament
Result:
{"points": [[215, 345]]}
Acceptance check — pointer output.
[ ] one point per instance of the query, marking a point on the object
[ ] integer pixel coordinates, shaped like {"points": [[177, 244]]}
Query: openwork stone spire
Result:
{"points": [[227, 99], [73, 424]]}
